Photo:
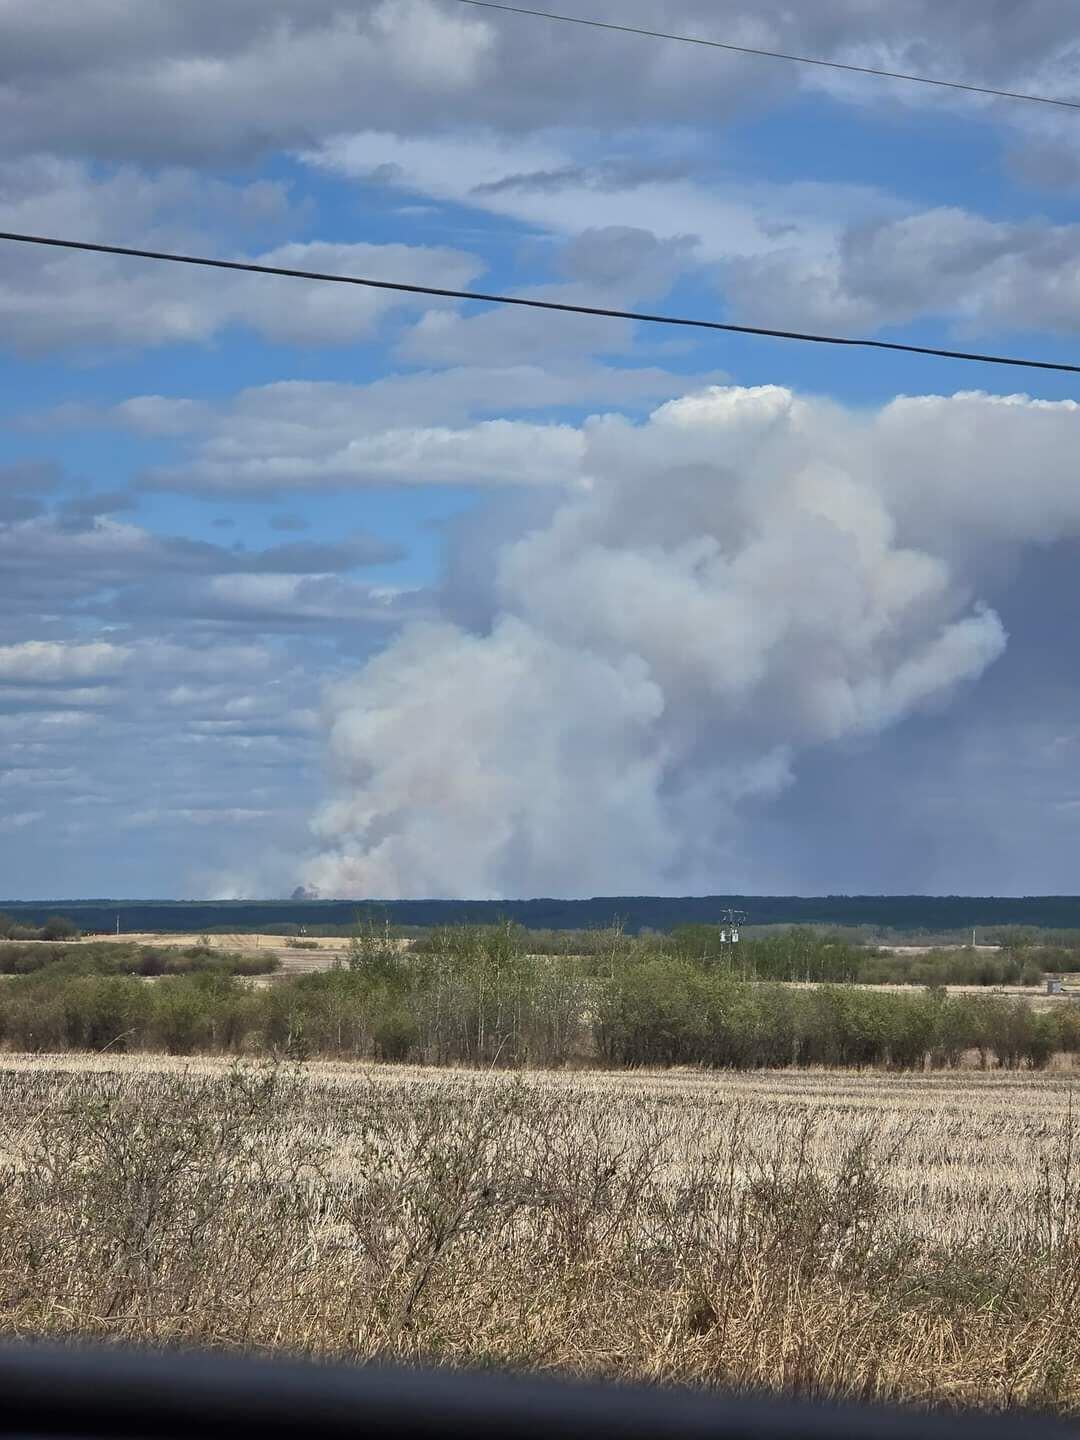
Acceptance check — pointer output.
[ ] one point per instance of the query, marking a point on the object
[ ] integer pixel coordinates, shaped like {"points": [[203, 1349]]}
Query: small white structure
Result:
{"points": [[729, 929], [1055, 985]]}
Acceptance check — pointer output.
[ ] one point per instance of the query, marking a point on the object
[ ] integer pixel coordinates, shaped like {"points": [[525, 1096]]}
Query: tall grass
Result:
{"points": [[634, 1233]]}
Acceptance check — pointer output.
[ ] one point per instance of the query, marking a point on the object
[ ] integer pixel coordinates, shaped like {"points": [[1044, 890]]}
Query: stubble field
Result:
{"points": [[874, 1236]]}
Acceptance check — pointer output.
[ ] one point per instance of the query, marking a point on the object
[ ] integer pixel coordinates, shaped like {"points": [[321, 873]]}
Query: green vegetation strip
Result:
{"points": [[467, 996]]}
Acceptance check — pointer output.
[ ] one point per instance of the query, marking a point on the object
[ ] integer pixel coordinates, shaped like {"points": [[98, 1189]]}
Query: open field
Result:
{"points": [[241, 941], [313, 954], [888, 1237], [926, 949]]}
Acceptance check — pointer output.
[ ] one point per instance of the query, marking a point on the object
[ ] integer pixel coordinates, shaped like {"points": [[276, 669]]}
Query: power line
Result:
{"points": [[644, 317], [775, 54]]}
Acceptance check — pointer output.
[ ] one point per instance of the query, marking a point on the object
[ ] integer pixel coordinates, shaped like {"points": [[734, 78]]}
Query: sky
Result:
{"points": [[389, 596]]}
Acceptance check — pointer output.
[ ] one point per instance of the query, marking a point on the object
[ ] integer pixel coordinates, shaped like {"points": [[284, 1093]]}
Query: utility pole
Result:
{"points": [[729, 934]]}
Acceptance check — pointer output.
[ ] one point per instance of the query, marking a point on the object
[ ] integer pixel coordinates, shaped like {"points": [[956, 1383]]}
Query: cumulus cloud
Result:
{"points": [[744, 583]]}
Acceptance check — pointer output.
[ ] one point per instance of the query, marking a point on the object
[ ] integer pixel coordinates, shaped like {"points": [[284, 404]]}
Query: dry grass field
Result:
{"points": [[240, 941], [896, 1237]]}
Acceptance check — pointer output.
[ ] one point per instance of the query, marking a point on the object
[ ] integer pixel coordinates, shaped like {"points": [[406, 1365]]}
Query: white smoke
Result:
{"points": [[747, 575]]}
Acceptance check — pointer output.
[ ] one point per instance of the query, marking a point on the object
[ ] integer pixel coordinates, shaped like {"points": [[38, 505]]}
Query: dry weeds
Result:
{"points": [[828, 1233]]}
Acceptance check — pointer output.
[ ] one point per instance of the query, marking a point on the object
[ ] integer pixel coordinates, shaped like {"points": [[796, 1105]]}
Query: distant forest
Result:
{"points": [[876, 914]]}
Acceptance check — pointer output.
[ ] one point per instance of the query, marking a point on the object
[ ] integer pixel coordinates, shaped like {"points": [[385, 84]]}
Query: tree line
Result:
{"points": [[479, 996]]}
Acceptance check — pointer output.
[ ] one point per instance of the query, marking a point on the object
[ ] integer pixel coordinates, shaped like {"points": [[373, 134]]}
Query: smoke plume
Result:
{"points": [[745, 577]]}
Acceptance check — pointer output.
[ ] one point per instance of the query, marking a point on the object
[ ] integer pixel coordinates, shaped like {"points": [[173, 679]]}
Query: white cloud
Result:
{"points": [[698, 666], [410, 429], [55, 298], [154, 818], [20, 819], [492, 452], [157, 415], [799, 254], [1024, 486], [324, 314], [219, 660], [985, 274], [569, 196], [30, 697], [47, 726], [275, 601], [56, 662], [16, 776], [209, 81]]}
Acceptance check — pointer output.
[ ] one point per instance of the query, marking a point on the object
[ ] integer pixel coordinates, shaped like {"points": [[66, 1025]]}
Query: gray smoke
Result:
{"points": [[747, 577]]}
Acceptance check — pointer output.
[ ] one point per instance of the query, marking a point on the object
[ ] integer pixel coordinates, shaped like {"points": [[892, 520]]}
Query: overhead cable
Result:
{"points": [[775, 54], [560, 306]]}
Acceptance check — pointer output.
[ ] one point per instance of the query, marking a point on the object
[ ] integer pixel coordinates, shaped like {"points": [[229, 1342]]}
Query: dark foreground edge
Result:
{"points": [[107, 1392]]}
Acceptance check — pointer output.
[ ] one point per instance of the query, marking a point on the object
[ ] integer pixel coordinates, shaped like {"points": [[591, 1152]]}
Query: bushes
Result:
{"points": [[655, 1012], [795, 954], [122, 958], [56, 927], [53, 1010], [480, 998], [104, 1012], [807, 955], [658, 1012], [950, 967]]}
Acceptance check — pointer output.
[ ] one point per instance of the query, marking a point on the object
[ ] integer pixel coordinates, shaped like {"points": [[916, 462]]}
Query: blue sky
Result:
{"points": [[385, 596]]}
